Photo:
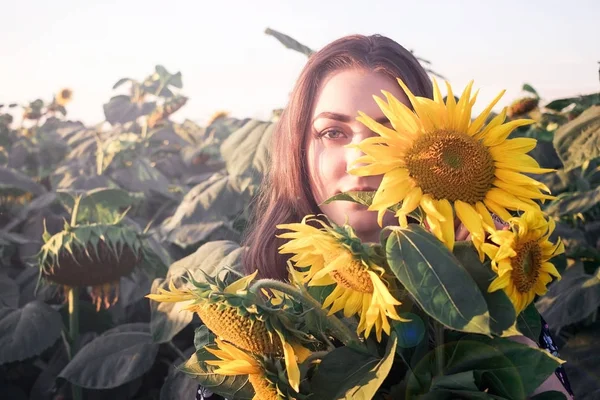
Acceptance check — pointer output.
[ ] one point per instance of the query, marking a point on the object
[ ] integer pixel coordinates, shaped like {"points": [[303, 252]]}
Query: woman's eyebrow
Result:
{"points": [[346, 118]]}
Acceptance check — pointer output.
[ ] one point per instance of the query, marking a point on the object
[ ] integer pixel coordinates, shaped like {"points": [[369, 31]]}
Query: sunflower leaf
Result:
{"points": [[437, 280], [113, 359], [26, 332], [348, 373], [502, 311]]}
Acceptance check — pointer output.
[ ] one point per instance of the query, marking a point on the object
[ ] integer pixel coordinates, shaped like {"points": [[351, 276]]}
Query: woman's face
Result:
{"points": [[333, 125]]}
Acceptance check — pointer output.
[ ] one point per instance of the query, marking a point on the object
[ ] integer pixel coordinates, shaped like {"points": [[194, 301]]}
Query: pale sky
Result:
{"points": [[228, 63]]}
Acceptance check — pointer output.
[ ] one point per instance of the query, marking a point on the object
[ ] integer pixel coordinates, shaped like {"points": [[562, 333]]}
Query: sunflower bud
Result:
{"points": [[522, 106], [246, 333]]}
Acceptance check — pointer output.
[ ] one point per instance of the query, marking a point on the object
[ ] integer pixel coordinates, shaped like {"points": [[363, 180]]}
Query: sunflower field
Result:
{"points": [[120, 273]]}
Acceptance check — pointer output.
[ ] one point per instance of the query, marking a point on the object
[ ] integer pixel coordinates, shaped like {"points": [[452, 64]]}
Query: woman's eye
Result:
{"points": [[333, 134]]}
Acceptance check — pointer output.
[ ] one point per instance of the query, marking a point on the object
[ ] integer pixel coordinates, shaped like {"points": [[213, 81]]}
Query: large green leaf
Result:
{"points": [[561, 104], [582, 366], [574, 202], [579, 139], [9, 292], [235, 387], [14, 182], [502, 311], [570, 300], [347, 373], [529, 323], [177, 385], [26, 332], [113, 359], [505, 367], [206, 211], [437, 280], [167, 319], [246, 151]]}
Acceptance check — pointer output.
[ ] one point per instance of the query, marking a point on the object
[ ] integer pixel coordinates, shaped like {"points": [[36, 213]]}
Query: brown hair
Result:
{"points": [[285, 195]]}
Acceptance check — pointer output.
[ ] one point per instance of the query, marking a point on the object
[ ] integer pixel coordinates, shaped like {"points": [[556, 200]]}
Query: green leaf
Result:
{"points": [[582, 367], [27, 331], [459, 381], [290, 43], [120, 110], [348, 373], [574, 202], [502, 311], [9, 292], [236, 387], [121, 81], [572, 299], [246, 151], [168, 319], [529, 323], [410, 334], [528, 88], [112, 360], [579, 139], [519, 367], [205, 213], [437, 280], [177, 385], [366, 198]]}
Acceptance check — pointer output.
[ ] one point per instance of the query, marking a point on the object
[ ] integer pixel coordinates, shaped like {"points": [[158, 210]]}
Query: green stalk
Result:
{"points": [[73, 298], [338, 329], [439, 347]]}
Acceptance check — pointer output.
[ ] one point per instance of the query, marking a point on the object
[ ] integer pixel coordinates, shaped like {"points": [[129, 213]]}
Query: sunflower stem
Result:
{"points": [[338, 329], [73, 299], [439, 347]]}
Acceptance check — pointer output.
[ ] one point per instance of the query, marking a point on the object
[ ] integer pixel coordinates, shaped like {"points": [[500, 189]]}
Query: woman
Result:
{"points": [[309, 158]]}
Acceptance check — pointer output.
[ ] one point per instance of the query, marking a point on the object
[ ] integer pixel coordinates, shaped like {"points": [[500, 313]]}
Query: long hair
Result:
{"points": [[285, 195]]}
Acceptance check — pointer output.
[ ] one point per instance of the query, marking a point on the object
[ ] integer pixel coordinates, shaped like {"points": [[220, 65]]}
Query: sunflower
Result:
{"points": [[233, 361], [333, 255], [520, 256], [437, 158], [237, 316], [64, 96]]}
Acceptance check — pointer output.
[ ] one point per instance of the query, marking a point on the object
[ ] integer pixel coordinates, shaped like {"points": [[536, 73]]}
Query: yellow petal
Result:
{"points": [[481, 118], [428, 205], [291, 365], [498, 134]]}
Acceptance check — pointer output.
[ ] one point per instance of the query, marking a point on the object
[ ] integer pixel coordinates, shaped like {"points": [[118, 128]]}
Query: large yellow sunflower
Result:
{"points": [[437, 158], [520, 256], [233, 361], [333, 255]]}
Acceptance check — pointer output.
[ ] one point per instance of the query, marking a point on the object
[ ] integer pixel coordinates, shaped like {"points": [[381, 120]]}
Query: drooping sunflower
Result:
{"points": [[437, 158], [238, 316], [334, 255], [521, 258], [234, 361]]}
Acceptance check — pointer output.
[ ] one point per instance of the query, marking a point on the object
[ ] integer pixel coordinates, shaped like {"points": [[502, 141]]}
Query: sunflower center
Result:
{"points": [[451, 165], [353, 276], [526, 265]]}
